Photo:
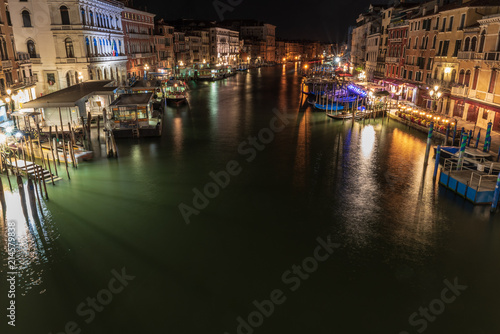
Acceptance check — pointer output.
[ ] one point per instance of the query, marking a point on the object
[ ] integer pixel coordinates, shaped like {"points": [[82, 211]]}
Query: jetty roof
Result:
{"points": [[132, 99], [68, 97]]}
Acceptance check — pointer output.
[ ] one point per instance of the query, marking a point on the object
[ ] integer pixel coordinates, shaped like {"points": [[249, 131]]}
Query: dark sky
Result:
{"points": [[304, 19]]}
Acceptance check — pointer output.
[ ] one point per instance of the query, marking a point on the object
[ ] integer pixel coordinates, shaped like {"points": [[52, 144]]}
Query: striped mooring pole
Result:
{"points": [[478, 138], [462, 152], [438, 156], [447, 135], [487, 140], [496, 195], [454, 135], [470, 138], [429, 142]]}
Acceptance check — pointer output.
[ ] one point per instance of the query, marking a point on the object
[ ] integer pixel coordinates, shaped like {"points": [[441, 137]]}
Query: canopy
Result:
{"points": [[69, 97]]}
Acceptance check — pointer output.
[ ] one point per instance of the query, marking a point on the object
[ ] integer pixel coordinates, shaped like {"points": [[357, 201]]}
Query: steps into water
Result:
{"points": [[30, 168]]}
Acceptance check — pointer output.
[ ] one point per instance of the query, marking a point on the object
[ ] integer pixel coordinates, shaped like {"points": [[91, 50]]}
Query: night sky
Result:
{"points": [[315, 20]]}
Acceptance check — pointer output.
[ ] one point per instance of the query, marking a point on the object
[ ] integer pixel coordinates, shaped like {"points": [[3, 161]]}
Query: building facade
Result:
{"points": [[69, 42], [138, 27]]}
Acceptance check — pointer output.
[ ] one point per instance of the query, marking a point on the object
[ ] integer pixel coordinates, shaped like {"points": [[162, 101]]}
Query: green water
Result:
{"points": [[399, 236]]}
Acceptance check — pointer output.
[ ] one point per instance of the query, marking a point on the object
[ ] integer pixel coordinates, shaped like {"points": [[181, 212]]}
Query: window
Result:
{"points": [[434, 42], [31, 49], [26, 18], [476, 76], [7, 14], [64, 15], [467, 78], [458, 45], [440, 48], [450, 26], [485, 113], [443, 27], [493, 77], [416, 43], [446, 44], [70, 52], [462, 22], [467, 43], [461, 77], [473, 43], [91, 15], [84, 19], [481, 42]]}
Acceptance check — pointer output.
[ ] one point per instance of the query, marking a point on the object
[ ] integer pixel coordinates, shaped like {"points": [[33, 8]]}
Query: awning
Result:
{"points": [[486, 106]]}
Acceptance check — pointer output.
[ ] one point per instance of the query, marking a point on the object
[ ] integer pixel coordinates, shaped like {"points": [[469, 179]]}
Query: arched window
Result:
{"points": [[64, 15], [461, 77], [481, 42], [467, 44], [416, 43], [31, 49], [434, 42], [409, 42], [3, 54], [84, 18], [91, 15], [87, 45], [498, 42], [70, 51], [26, 18], [68, 79], [453, 75], [473, 43], [467, 78]]}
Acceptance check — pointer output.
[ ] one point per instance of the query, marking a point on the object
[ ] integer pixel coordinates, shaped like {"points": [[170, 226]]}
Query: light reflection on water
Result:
{"points": [[361, 184], [34, 237]]}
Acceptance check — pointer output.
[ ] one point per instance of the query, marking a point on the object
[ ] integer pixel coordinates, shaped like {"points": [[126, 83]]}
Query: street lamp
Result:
{"points": [[435, 96], [80, 77], [146, 69]]}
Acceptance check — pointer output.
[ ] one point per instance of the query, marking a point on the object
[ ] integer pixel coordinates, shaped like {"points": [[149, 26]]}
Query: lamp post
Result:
{"points": [[146, 69], [435, 96]]}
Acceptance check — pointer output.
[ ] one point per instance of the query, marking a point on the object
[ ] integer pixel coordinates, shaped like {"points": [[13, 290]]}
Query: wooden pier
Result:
{"points": [[32, 170]]}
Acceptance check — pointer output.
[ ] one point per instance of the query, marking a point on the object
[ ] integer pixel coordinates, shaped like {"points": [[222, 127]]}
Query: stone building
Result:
{"points": [[70, 41]]}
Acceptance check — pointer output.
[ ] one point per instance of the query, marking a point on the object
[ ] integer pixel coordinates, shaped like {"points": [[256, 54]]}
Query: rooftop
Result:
{"points": [[131, 99], [68, 97]]}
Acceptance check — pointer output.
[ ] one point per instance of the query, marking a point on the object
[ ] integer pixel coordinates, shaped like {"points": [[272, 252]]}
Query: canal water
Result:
{"points": [[319, 226]]}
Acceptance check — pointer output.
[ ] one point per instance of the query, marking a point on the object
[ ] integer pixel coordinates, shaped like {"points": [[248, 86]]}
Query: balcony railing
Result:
{"points": [[392, 59], [7, 63], [460, 91], [465, 54], [492, 56], [31, 80]]}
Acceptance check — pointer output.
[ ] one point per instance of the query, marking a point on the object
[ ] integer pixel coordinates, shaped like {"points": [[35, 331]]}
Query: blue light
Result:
{"points": [[357, 90]]}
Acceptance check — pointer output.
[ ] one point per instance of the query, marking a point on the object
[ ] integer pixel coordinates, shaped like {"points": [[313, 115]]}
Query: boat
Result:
{"points": [[347, 115], [133, 117], [175, 92], [328, 107], [448, 152]]}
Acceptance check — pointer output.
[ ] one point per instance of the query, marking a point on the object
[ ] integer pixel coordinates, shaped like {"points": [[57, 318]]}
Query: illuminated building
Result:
{"points": [[66, 39], [17, 80], [138, 27]]}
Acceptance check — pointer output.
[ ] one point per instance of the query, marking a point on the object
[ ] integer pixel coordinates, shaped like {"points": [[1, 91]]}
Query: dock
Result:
{"points": [[475, 185], [31, 168]]}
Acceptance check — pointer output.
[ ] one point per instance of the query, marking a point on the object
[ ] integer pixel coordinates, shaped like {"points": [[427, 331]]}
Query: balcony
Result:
{"points": [[465, 55], [31, 80], [392, 59], [492, 56], [6, 63], [460, 91]]}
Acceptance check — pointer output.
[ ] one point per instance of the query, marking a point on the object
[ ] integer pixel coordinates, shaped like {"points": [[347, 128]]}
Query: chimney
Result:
{"points": [[436, 8], [424, 11]]}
